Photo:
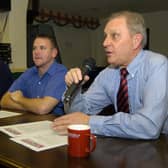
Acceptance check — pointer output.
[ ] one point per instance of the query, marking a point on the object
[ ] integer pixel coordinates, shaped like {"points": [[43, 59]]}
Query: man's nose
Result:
{"points": [[106, 42]]}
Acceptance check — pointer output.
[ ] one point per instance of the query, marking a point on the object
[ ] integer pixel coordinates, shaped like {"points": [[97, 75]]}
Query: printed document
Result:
{"points": [[5, 113], [37, 135]]}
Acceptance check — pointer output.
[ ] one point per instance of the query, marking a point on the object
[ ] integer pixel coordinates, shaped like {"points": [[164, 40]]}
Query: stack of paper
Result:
{"points": [[4, 114], [37, 136]]}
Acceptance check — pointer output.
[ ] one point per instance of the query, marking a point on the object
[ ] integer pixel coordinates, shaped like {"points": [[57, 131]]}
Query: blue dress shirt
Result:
{"points": [[148, 99], [51, 84]]}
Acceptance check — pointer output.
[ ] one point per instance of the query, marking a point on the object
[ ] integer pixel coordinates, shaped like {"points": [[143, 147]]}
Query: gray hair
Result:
{"points": [[135, 23]]}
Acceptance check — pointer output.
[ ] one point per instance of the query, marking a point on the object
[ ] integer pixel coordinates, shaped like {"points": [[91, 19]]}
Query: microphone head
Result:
{"points": [[89, 63]]}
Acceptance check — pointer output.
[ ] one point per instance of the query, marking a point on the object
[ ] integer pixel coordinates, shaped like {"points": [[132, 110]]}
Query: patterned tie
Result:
{"points": [[122, 96]]}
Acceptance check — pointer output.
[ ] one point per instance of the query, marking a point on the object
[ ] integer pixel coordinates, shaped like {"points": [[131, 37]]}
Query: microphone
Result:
{"points": [[87, 66]]}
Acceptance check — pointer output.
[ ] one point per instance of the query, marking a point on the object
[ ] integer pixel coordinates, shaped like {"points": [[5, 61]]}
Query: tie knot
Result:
{"points": [[123, 72]]}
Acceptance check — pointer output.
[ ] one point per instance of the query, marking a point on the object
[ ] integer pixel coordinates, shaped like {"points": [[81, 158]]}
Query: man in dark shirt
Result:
{"points": [[6, 78]]}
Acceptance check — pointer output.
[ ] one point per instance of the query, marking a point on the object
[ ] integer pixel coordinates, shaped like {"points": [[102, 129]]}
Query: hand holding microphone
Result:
{"points": [[74, 76], [77, 76]]}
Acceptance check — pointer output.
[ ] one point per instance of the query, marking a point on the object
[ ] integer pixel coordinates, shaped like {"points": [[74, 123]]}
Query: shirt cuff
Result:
{"points": [[96, 124]]}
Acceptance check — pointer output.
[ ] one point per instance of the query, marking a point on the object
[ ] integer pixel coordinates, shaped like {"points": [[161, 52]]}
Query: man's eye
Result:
{"points": [[115, 36], [42, 47]]}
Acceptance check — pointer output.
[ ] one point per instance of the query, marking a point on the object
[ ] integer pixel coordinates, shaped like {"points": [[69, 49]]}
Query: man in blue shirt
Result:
{"points": [[39, 89], [125, 37]]}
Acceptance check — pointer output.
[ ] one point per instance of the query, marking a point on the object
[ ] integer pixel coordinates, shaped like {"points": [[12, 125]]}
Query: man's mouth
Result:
{"points": [[108, 53]]}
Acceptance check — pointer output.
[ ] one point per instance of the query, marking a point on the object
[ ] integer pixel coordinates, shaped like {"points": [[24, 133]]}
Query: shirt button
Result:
{"points": [[39, 83]]}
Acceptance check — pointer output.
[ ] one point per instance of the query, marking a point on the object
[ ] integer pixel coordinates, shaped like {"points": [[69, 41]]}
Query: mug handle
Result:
{"points": [[92, 144]]}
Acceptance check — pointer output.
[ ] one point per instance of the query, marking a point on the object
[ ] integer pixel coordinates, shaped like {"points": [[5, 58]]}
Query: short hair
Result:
{"points": [[52, 39], [135, 23]]}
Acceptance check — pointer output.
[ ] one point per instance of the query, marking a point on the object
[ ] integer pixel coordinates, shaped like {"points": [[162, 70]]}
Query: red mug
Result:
{"points": [[80, 140]]}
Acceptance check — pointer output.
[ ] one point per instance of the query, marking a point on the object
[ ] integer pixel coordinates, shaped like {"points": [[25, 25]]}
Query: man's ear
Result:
{"points": [[137, 40], [54, 52]]}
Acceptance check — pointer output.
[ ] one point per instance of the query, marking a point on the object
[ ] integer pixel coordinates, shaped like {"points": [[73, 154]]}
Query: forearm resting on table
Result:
{"points": [[38, 105], [7, 102]]}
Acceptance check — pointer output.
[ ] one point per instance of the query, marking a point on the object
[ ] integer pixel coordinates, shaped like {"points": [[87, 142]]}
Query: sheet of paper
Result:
{"points": [[5, 113], [40, 142], [26, 128], [37, 135]]}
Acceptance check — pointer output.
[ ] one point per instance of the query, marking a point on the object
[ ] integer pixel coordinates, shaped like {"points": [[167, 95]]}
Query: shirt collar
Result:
{"points": [[134, 65], [51, 69]]}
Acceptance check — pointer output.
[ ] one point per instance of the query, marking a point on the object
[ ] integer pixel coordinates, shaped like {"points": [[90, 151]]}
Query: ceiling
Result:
{"points": [[101, 9]]}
